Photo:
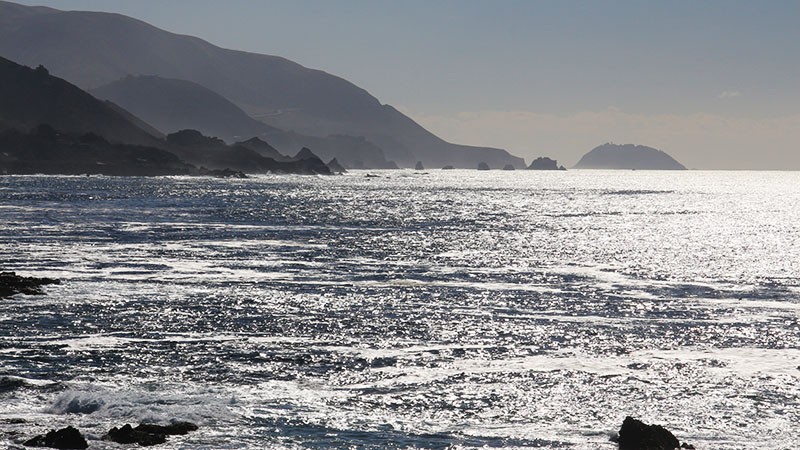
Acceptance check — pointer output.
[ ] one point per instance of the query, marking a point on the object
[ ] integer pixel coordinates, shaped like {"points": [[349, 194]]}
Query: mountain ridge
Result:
{"points": [[91, 49]]}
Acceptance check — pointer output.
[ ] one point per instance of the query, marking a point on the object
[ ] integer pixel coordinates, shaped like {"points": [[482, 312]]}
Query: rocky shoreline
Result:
{"points": [[11, 284]]}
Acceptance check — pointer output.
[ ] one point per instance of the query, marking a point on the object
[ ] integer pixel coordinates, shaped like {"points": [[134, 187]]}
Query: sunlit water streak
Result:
{"points": [[455, 309]]}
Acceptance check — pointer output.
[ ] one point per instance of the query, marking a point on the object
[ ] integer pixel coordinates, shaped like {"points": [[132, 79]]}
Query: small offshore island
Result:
{"points": [[628, 157]]}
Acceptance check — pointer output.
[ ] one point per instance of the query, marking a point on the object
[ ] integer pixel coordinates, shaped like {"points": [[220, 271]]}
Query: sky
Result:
{"points": [[714, 83]]}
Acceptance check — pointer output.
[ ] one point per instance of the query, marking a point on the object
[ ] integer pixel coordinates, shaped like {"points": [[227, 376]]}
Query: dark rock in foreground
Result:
{"points": [[628, 157], [483, 166], [11, 283], [508, 167], [128, 435], [419, 166], [636, 435], [545, 163], [65, 438], [448, 168], [148, 434]]}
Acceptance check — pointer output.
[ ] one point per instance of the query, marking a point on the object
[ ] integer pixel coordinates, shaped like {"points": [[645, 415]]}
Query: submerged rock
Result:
{"points": [[65, 438], [636, 435], [448, 168], [11, 283]]}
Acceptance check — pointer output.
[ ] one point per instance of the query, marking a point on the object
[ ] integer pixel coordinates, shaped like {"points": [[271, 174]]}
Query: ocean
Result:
{"points": [[442, 310]]}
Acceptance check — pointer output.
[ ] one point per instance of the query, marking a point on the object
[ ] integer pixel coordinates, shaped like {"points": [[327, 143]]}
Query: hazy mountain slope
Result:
{"points": [[94, 49], [172, 105], [628, 156], [30, 97]]}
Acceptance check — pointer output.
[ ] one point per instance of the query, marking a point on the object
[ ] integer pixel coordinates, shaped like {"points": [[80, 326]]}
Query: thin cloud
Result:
{"points": [[729, 94]]}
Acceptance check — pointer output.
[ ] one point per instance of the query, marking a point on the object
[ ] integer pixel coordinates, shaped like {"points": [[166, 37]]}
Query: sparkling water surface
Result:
{"points": [[453, 309]]}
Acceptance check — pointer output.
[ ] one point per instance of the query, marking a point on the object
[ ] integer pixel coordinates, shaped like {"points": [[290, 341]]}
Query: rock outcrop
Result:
{"points": [[11, 283], [636, 435], [214, 153], [545, 163], [65, 438], [483, 166], [147, 435], [335, 167]]}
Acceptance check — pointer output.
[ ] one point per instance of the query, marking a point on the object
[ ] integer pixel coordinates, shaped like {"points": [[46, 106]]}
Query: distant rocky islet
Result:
{"points": [[628, 157]]}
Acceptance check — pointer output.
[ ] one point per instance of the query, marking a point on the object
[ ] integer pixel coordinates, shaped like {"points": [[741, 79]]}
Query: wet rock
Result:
{"points": [[448, 168], [128, 435], [175, 428], [11, 283], [419, 166], [65, 438], [636, 435], [483, 166], [8, 384], [148, 434], [508, 167]]}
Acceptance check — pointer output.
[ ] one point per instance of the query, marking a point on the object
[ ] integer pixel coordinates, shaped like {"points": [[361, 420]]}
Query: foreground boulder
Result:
{"points": [[11, 283], [148, 434], [175, 428], [128, 435], [636, 435], [65, 438]]}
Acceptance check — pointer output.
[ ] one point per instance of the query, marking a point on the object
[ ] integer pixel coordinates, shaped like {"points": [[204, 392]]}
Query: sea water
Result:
{"points": [[450, 309]]}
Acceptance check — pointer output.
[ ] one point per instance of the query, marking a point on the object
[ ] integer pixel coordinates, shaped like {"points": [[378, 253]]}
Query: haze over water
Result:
{"points": [[457, 309]]}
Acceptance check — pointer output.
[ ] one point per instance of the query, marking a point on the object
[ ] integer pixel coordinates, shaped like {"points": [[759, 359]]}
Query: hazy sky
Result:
{"points": [[714, 83]]}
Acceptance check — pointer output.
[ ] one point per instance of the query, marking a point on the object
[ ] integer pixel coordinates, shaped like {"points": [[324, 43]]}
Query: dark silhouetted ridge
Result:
{"points": [[31, 97], [271, 89]]}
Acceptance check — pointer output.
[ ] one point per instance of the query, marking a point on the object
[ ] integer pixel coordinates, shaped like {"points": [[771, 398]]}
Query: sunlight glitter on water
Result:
{"points": [[453, 310]]}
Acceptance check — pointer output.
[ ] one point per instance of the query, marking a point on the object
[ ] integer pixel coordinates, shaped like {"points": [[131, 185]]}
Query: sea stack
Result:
{"points": [[545, 163]]}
